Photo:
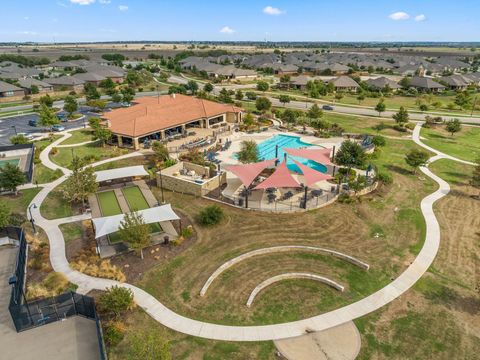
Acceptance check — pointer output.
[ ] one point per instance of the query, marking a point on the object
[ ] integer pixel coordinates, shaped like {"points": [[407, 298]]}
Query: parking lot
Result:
{"points": [[19, 124]]}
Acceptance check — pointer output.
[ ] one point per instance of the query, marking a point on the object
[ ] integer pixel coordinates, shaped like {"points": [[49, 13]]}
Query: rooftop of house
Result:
{"points": [[152, 114], [4, 87]]}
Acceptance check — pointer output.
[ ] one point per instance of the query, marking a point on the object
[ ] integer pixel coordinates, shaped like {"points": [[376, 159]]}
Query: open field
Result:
{"points": [[18, 203], [43, 175], [91, 152], [78, 136], [464, 145], [448, 294]]}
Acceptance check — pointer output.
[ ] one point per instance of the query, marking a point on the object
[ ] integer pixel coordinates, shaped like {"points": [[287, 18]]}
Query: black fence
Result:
{"points": [[30, 314]]}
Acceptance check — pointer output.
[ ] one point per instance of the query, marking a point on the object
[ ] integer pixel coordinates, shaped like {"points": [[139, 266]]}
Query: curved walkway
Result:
{"points": [[288, 276], [254, 333], [278, 249]]}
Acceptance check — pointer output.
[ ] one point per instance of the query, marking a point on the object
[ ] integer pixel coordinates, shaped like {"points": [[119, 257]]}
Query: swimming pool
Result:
{"points": [[267, 151], [9, 161]]}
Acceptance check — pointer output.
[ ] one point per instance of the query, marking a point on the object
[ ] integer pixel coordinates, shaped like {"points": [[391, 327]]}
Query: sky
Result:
{"points": [[254, 20]]}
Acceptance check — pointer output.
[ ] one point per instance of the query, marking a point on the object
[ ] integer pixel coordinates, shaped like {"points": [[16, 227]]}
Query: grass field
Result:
{"points": [[136, 201], [55, 206], [18, 203], [91, 152], [78, 136], [447, 295], [108, 203], [464, 145], [43, 175], [71, 231]]}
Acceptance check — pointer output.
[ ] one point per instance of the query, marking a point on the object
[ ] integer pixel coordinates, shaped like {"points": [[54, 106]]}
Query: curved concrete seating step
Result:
{"points": [[278, 249], [287, 276]]}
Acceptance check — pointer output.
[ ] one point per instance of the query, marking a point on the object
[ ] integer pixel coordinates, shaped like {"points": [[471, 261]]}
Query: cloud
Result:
{"points": [[82, 2], [61, 4], [420, 17], [26, 18], [400, 15], [27, 32], [122, 7], [227, 30], [270, 10], [104, 2]]}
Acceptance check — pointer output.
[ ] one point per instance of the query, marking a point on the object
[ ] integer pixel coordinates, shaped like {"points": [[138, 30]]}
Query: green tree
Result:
{"points": [[116, 97], [47, 116], [70, 105], [251, 95], [128, 94], [210, 215], [116, 299], [192, 86], [248, 119], [284, 99], [46, 100], [360, 98], [239, 95], [351, 154], [463, 99], [34, 89], [224, 96], [314, 112], [290, 116], [107, 84], [208, 87], [263, 104], [94, 122], [160, 153], [11, 177], [263, 86], [380, 107], [81, 182], [91, 92], [248, 152], [103, 134], [416, 158], [97, 105], [5, 214], [401, 117], [135, 232], [453, 126]]}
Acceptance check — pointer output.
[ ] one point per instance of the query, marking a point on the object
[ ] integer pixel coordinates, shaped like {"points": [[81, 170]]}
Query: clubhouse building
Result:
{"points": [[167, 117]]}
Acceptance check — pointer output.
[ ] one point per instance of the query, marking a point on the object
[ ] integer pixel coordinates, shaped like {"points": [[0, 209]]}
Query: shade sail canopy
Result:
{"points": [[311, 176], [281, 178], [321, 156], [110, 224], [248, 172], [129, 171]]}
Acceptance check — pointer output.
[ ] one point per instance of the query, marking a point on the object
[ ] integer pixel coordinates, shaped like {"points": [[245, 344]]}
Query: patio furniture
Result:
{"points": [[271, 198], [317, 192]]}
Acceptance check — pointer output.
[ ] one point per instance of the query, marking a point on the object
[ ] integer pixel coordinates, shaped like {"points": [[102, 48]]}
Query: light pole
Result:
{"points": [[161, 185], [32, 220]]}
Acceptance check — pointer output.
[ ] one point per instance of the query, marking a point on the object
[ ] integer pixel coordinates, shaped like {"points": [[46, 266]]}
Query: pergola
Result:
{"points": [[110, 224], [281, 178]]}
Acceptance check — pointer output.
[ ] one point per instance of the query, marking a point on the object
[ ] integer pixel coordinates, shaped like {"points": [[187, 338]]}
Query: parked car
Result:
{"points": [[33, 122], [327, 107], [57, 127], [62, 117]]}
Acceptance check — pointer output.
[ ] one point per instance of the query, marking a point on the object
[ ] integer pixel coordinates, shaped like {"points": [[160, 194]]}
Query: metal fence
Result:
{"points": [[30, 314]]}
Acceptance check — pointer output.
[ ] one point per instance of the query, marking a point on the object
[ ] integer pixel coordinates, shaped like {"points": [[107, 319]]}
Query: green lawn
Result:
{"points": [[135, 198], [108, 203], [464, 145], [43, 175], [79, 136], [90, 152], [19, 203], [55, 206], [71, 231]]}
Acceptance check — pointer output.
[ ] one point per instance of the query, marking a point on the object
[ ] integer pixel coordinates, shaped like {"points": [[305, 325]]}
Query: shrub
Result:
{"points": [[410, 126], [379, 140], [187, 232], [344, 198], [116, 299], [385, 178], [103, 269], [56, 282], [54, 151], [210, 215], [113, 333]]}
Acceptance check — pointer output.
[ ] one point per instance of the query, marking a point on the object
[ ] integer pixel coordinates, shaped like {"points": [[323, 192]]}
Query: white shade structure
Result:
{"points": [[110, 224], [124, 172]]}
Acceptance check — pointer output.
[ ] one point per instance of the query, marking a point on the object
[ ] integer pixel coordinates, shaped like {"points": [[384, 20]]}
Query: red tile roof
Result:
{"points": [[151, 114]]}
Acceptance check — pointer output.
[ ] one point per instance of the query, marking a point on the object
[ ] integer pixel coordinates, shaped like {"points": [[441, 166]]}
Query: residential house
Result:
{"points": [[455, 82], [381, 83], [425, 84], [66, 83], [42, 86], [8, 90], [345, 83]]}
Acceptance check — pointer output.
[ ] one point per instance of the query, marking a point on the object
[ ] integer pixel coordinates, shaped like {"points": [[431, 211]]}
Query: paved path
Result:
{"points": [[321, 322]]}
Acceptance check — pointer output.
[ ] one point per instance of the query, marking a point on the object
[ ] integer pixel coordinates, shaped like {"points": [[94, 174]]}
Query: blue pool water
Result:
{"points": [[267, 151]]}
